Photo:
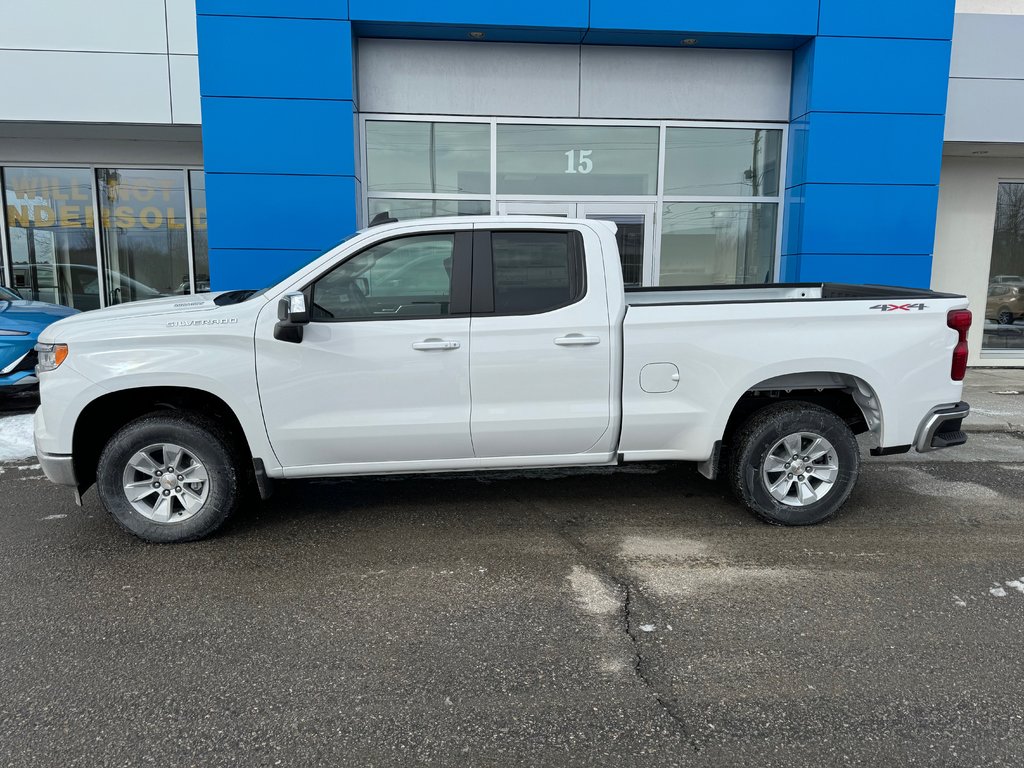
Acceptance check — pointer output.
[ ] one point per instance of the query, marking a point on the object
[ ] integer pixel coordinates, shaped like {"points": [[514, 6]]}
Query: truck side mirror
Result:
{"points": [[292, 316]]}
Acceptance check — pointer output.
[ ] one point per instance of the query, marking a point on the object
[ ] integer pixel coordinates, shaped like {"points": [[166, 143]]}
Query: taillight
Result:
{"points": [[960, 321]]}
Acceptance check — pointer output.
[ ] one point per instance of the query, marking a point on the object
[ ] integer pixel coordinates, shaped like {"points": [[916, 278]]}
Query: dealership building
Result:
{"points": [[153, 147]]}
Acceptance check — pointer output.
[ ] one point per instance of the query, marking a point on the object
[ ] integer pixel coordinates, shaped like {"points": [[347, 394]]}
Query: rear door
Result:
{"points": [[541, 347]]}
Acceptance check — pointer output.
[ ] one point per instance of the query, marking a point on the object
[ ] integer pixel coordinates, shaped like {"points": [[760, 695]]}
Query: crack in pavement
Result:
{"points": [[642, 674], [629, 592]]}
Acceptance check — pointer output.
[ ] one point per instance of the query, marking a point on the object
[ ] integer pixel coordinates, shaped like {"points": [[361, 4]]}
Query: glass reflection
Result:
{"points": [[736, 162], [200, 243], [145, 246], [577, 160], [49, 215], [403, 209], [1004, 306], [428, 157], [717, 243]]}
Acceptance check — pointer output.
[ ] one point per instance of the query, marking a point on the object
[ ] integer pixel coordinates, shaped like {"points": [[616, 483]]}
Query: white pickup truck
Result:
{"points": [[486, 343]]}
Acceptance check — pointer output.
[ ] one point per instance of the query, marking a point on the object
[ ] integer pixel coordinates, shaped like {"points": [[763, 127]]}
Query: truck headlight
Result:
{"points": [[50, 356]]}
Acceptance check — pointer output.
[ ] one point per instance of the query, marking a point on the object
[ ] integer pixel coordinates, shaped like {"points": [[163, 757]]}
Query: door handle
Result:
{"points": [[577, 340], [427, 344]]}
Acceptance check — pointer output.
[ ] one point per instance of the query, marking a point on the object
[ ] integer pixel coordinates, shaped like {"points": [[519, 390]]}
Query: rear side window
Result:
{"points": [[536, 271]]}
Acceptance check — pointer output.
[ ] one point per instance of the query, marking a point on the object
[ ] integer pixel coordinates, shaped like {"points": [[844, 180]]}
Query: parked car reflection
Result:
{"points": [[1005, 300], [78, 286]]}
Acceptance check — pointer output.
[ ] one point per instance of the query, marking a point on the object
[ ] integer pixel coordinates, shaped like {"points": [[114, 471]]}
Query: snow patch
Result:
{"points": [[1017, 584], [614, 666], [16, 437], [592, 594], [647, 627], [684, 581], [997, 591], [672, 548], [54, 517], [928, 485]]}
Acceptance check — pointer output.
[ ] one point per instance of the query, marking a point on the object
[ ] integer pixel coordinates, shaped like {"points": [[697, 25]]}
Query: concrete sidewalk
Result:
{"points": [[996, 396]]}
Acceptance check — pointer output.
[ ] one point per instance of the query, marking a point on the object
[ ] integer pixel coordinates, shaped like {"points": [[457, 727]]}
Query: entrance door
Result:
{"points": [[635, 222], [635, 237]]}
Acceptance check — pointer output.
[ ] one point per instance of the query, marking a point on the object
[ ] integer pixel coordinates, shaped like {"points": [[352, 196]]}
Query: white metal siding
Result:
{"points": [[103, 61], [532, 80], [986, 79]]}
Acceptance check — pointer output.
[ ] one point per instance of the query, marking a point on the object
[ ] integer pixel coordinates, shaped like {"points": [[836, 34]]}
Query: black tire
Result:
{"points": [[763, 430], [206, 440], [1005, 316]]}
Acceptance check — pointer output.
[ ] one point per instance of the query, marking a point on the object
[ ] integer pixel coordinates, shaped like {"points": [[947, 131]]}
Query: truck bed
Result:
{"points": [[711, 344], [715, 294]]}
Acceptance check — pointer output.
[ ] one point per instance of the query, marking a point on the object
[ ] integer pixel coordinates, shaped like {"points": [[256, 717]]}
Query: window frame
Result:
{"points": [[995, 353], [483, 271], [6, 258], [460, 286], [659, 199]]}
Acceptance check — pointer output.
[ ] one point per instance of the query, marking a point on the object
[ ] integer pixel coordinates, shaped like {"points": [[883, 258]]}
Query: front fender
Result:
{"points": [[221, 365]]}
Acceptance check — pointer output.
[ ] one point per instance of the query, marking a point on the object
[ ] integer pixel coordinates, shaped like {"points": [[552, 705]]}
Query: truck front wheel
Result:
{"points": [[169, 478], [794, 463]]}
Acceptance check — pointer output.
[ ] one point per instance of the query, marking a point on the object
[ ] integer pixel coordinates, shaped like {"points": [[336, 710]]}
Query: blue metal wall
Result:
{"points": [[869, 92]]}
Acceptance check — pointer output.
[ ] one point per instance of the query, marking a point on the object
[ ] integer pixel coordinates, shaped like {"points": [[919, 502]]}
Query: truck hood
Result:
{"points": [[122, 314]]}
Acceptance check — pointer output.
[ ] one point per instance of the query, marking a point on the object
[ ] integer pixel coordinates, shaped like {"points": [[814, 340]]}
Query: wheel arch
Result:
{"points": [[848, 396], [102, 417]]}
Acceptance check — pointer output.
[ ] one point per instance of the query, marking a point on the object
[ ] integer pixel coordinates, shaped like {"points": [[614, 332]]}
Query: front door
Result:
{"points": [[381, 375], [635, 227]]}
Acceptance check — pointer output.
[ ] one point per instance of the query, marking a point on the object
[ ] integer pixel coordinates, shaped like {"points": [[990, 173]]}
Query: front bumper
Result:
{"points": [[57, 468], [19, 372], [942, 428]]}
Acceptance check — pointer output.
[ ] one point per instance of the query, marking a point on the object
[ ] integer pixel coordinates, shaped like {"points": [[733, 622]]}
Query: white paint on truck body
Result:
{"points": [[353, 398]]}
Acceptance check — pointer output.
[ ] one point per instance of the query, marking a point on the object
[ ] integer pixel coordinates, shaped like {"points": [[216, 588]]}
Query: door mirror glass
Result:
{"points": [[292, 308], [292, 317]]}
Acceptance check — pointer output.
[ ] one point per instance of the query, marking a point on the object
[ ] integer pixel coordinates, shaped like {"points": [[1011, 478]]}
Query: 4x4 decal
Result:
{"points": [[898, 307]]}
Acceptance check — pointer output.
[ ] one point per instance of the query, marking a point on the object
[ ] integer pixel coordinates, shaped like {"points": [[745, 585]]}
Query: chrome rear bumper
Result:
{"points": [[942, 428]]}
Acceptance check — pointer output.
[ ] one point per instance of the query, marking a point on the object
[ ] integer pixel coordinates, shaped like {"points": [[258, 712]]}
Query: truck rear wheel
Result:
{"points": [[794, 463], [169, 478]]}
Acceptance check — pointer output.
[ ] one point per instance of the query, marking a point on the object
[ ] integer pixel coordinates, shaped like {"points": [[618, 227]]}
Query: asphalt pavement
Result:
{"points": [[634, 616]]}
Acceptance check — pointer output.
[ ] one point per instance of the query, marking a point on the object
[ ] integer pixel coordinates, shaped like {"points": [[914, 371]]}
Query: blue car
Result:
{"points": [[20, 324]]}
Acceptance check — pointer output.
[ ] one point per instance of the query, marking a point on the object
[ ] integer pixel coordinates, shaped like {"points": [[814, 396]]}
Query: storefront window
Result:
{"points": [[717, 243], [49, 213], [200, 243], [446, 158], [403, 209], [577, 160], [737, 162], [704, 210], [145, 242], [1004, 308]]}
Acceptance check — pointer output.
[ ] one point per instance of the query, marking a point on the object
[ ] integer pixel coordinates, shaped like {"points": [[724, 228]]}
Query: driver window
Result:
{"points": [[406, 277]]}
